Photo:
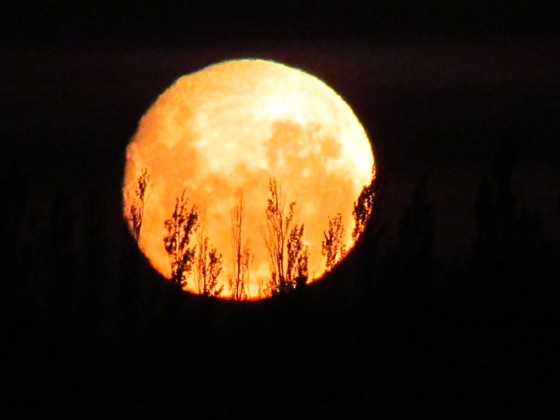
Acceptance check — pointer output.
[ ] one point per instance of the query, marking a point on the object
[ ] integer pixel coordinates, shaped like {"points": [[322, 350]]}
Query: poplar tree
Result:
{"points": [[332, 246], [180, 226], [137, 208]]}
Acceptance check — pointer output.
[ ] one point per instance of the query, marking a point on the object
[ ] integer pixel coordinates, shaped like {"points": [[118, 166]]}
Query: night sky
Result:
{"points": [[437, 85]]}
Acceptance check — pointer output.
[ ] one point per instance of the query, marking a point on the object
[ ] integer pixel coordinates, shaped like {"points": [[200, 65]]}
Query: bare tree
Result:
{"points": [[278, 239], [363, 207], [238, 281], [137, 208], [333, 247], [182, 224], [208, 267]]}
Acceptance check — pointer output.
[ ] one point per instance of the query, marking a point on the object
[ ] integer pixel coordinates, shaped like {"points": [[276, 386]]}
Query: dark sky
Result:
{"points": [[437, 84], [28, 22]]}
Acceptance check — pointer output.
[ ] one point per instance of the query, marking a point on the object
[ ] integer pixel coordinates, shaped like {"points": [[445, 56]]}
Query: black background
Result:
{"points": [[438, 86]]}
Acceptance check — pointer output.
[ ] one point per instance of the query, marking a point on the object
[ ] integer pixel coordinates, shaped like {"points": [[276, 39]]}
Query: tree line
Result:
{"points": [[75, 267], [191, 254], [84, 305]]}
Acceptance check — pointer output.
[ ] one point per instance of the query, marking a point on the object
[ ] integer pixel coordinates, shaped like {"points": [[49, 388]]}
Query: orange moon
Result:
{"points": [[223, 133]]}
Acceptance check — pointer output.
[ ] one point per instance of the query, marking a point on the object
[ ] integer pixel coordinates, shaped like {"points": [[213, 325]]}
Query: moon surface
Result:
{"points": [[222, 133]]}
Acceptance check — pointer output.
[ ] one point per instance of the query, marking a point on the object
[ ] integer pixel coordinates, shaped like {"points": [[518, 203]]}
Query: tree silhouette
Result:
{"points": [[511, 252], [416, 233], [278, 239], [137, 208], [333, 247], [238, 281], [208, 267], [363, 207], [495, 214], [298, 258], [406, 271], [180, 226], [371, 233]]}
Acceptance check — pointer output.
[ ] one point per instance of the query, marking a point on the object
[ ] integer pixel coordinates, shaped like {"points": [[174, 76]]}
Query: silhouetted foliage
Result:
{"points": [[238, 281], [208, 267], [129, 291], [370, 230], [445, 349], [332, 246], [408, 267], [416, 230], [495, 214], [277, 237], [182, 224], [298, 258], [363, 207], [313, 338], [511, 254], [495, 206], [137, 208]]}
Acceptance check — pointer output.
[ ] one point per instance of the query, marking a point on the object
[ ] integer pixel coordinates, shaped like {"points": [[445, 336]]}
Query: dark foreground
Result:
{"points": [[448, 355]]}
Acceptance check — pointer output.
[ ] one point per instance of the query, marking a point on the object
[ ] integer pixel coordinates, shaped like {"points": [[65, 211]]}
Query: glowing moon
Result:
{"points": [[224, 132]]}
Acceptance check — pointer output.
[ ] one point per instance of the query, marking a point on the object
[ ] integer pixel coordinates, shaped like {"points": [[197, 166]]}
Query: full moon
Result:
{"points": [[241, 179]]}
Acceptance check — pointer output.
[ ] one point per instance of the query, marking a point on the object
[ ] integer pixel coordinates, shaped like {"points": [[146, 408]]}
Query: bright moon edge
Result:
{"points": [[226, 130]]}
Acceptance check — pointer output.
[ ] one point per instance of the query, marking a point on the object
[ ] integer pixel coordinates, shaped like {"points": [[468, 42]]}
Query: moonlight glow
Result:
{"points": [[221, 134]]}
